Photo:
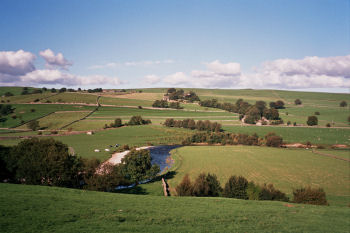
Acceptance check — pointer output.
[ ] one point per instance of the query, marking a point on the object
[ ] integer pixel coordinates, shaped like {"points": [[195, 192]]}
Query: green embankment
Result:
{"points": [[26, 208]]}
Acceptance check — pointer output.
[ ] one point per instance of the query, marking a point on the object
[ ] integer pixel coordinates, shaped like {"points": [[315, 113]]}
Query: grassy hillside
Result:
{"points": [[285, 168], [48, 209]]}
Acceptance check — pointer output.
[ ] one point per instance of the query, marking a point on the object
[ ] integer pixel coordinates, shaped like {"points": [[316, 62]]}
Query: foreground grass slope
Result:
{"points": [[285, 168], [49, 209]]}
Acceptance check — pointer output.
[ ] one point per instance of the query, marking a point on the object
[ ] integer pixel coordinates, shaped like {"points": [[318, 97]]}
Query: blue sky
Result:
{"points": [[164, 43]]}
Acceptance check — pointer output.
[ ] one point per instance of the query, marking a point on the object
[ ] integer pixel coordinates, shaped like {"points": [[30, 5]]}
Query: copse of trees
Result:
{"points": [[95, 90], [191, 124], [308, 195], [165, 104], [138, 120], [297, 102], [251, 113], [5, 109], [343, 103], [279, 104], [207, 185], [48, 162], [179, 94], [312, 120]]}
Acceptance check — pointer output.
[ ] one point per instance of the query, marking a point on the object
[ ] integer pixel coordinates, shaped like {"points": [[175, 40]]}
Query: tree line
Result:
{"points": [[48, 162], [134, 120], [165, 104], [225, 138], [180, 94], [191, 124], [207, 185], [250, 113]]}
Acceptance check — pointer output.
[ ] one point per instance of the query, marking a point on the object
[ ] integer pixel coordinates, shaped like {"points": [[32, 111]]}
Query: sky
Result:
{"points": [[270, 44]]}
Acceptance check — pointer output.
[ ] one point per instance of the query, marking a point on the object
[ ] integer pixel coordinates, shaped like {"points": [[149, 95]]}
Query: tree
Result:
{"points": [[308, 195], [297, 102], [53, 90], [206, 186], [118, 122], [46, 162], [33, 125], [343, 104], [185, 187], [236, 187], [138, 167], [312, 120], [260, 105], [274, 141], [8, 94]]}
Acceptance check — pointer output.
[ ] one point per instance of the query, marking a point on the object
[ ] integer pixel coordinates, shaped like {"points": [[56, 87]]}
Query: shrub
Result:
{"points": [[268, 192], [137, 120], [294, 123], [343, 104], [312, 120], [308, 195], [140, 107], [185, 187], [117, 123], [206, 186], [8, 94], [253, 191], [236, 187], [14, 116], [288, 123], [32, 110], [40, 133], [317, 113], [273, 140], [33, 125], [297, 102]]}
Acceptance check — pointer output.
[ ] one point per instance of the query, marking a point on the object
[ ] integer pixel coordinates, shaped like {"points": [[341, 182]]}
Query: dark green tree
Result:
{"points": [[343, 104], [138, 166], [312, 120], [33, 125], [236, 187]]}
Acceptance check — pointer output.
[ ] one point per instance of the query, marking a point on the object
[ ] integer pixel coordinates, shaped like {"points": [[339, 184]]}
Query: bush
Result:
{"points": [[312, 120], [268, 192], [117, 123], [297, 102], [273, 140], [185, 187], [317, 113], [206, 186], [328, 125], [253, 191], [294, 123], [343, 104], [32, 110], [8, 94], [236, 187], [288, 123], [33, 125], [308, 195], [137, 120]]}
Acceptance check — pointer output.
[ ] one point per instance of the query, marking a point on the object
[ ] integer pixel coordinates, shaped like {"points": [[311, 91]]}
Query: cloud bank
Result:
{"points": [[309, 72], [54, 61], [130, 63], [17, 68]]}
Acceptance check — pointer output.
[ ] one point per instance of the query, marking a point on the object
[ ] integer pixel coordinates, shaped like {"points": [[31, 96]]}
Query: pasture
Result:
{"points": [[52, 209], [285, 168]]}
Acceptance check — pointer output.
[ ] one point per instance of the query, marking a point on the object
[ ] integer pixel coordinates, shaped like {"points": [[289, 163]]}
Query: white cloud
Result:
{"points": [[151, 79], [230, 69], [54, 61], [130, 63], [330, 66], [178, 78], [16, 62], [63, 78]]}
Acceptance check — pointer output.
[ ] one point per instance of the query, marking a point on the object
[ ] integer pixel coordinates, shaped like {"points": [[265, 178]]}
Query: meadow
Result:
{"points": [[285, 168], [52, 209], [291, 134]]}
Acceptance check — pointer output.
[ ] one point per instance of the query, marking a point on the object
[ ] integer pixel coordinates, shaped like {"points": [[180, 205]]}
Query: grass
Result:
{"points": [[14, 90], [84, 145], [292, 134], [50, 209], [23, 112], [69, 97], [58, 120], [285, 168]]}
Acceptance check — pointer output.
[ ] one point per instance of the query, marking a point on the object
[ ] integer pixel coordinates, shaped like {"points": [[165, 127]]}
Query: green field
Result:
{"points": [[23, 112], [51, 209], [285, 168], [298, 134]]}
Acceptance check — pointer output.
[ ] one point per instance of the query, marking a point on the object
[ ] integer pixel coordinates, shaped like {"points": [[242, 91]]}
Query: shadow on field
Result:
{"points": [[135, 190]]}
